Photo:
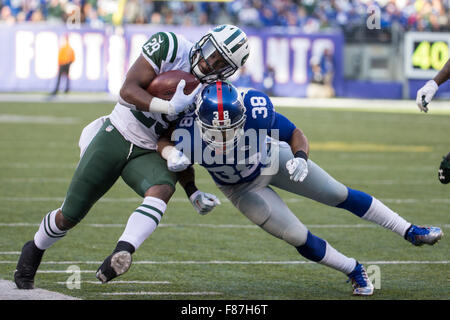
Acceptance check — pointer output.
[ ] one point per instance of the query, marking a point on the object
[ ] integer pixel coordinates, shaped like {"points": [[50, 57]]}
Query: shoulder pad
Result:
{"points": [[259, 109], [161, 47]]}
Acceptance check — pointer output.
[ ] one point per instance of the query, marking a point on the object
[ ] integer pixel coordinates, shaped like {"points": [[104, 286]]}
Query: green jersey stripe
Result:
{"points": [[163, 47], [152, 208], [148, 215], [175, 47], [233, 36], [149, 122], [50, 233], [60, 234]]}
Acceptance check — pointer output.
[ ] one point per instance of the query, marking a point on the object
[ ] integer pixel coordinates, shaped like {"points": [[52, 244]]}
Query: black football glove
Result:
{"points": [[444, 170]]}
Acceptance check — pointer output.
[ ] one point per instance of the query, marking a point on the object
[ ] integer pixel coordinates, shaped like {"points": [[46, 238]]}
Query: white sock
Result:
{"points": [[336, 260], [143, 221], [48, 232], [385, 217]]}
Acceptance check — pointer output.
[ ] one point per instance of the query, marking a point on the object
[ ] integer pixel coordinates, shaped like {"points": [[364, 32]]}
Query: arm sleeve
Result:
{"points": [[284, 126]]}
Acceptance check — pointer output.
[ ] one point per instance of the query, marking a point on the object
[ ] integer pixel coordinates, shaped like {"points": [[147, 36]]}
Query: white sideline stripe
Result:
{"points": [[15, 118], [214, 226], [225, 200], [190, 262], [97, 97], [409, 106], [382, 105], [159, 293], [9, 291], [121, 282]]}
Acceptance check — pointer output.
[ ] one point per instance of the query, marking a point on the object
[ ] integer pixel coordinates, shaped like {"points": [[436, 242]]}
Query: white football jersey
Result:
{"points": [[165, 51]]}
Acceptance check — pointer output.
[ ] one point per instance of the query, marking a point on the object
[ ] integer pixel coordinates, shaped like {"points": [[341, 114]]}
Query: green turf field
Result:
{"points": [[393, 156]]}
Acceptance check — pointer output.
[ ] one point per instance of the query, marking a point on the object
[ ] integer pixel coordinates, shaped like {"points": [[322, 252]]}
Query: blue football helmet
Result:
{"points": [[220, 116]]}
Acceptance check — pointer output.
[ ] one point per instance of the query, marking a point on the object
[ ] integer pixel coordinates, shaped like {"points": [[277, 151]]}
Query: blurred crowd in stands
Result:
{"points": [[309, 15]]}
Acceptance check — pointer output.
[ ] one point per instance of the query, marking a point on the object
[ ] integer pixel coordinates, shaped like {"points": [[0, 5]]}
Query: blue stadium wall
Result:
{"points": [[29, 59]]}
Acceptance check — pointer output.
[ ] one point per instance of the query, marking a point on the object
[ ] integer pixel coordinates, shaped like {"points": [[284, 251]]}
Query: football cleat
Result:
{"points": [[28, 263], [444, 170], [362, 286], [419, 235], [115, 265]]}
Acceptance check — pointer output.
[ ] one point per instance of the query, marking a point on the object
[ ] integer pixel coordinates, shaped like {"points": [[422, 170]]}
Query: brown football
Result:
{"points": [[165, 84]]}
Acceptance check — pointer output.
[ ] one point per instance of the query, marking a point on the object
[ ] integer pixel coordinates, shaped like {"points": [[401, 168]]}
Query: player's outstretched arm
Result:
{"points": [[299, 142], [427, 92], [443, 75], [203, 202], [176, 161]]}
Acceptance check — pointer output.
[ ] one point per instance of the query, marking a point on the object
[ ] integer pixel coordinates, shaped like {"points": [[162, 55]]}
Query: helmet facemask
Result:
{"points": [[222, 138], [208, 61], [221, 135]]}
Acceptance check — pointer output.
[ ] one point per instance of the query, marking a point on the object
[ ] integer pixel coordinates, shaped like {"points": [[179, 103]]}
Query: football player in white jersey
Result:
{"points": [[227, 135], [123, 144]]}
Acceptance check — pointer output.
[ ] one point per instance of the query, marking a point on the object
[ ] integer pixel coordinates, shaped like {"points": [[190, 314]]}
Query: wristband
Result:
{"points": [[159, 105], [433, 84], [190, 189], [301, 154]]}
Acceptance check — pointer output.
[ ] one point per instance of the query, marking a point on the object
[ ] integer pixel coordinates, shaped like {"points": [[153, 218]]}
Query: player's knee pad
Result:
{"points": [[295, 234], [333, 193], [255, 208]]}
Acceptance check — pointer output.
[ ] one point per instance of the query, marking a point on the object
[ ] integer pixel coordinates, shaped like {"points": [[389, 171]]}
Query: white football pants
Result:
{"points": [[264, 207]]}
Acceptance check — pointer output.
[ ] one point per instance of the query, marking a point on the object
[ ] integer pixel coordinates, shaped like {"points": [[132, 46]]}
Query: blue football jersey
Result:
{"points": [[245, 161]]}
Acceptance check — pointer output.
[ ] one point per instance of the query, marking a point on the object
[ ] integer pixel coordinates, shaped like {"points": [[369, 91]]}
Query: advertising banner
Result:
{"points": [[280, 59]]}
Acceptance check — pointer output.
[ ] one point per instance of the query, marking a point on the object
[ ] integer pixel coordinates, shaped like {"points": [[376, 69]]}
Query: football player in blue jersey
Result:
{"points": [[247, 146]]}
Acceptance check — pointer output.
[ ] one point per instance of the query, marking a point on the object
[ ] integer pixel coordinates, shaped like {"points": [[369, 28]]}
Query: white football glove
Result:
{"points": [[298, 169], [181, 101], [176, 160], [426, 94], [204, 202]]}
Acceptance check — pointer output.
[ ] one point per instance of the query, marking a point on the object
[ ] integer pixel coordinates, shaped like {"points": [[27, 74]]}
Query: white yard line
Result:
{"points": [[120, 282], [219, 262], [358, 182], [201, 225], [162, 293], [185, 200]]}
